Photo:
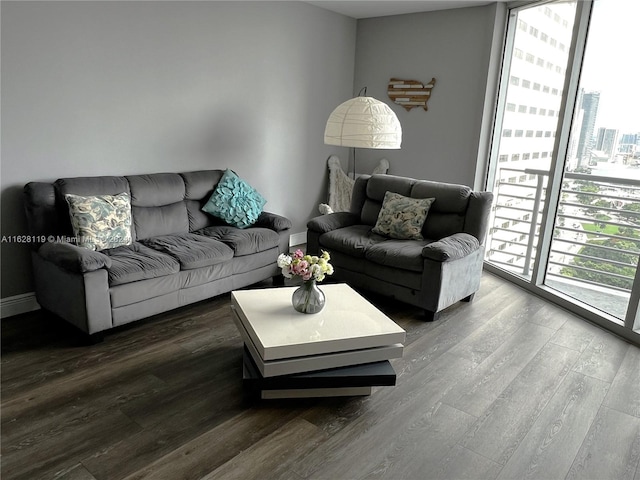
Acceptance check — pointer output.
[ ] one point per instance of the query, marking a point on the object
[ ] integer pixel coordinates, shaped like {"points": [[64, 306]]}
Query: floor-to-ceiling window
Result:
{"points": [[565, 158]]}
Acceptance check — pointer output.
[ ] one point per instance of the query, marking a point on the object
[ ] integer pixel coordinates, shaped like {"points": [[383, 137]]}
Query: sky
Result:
{"points": [[612, 65]]}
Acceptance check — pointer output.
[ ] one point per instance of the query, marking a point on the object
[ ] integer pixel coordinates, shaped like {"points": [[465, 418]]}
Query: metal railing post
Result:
{"points": [[534, 224]]}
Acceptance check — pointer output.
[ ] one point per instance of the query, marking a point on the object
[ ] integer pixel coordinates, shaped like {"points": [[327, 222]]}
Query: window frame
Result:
{"points": [[568, 96]]}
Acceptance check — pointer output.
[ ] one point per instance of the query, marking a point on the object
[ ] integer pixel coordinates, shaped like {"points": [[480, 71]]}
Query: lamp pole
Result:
{"points": [[354, 163]]}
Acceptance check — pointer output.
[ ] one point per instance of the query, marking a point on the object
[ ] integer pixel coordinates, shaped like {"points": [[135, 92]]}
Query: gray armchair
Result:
{"points": [[433, 273]]}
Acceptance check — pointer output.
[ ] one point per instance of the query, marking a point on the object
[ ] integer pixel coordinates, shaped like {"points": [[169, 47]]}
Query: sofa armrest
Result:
{"points": [[73, 258], [456, 246], [273, 221], [333, 221]]}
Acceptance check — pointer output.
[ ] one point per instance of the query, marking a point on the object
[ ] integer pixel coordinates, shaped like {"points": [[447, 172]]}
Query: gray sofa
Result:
{"points": [[179, 254], [434, 273]]}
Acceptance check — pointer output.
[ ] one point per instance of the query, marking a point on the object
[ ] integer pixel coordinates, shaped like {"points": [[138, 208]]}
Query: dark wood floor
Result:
{"points": [[505, 387]]}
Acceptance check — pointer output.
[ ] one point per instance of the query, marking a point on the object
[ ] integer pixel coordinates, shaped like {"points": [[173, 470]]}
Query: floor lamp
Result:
{"points": [[363, 122]]}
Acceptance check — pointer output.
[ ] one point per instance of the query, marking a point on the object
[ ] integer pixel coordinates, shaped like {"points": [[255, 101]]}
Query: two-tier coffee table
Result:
{"points": [[342, 350]]}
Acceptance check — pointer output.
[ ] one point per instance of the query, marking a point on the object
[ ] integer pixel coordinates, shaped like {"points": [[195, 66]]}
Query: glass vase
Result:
{"points": [[308, 298]]}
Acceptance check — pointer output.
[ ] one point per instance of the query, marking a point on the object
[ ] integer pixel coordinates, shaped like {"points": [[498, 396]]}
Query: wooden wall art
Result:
{"points": [[410, 93]]}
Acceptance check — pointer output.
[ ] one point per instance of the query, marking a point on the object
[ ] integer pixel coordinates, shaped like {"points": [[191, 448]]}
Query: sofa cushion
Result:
{"points": [[439, 225], [135, 262], [191, 250], [243, 241], [156, 189], [353, 240], [379, 185], [199, 185], [157, 204], [151, 222], [235, 201], [198, 188], [90, 186], [447, 214], [452, 198], [376, 188], [402, 217], [100, 221], [403, 254], [363, 272]]}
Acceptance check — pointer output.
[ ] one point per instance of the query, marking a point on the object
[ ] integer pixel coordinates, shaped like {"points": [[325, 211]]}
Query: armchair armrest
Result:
{"points": [[333, 221], [456, 246], [73, 258], [273, 221]]}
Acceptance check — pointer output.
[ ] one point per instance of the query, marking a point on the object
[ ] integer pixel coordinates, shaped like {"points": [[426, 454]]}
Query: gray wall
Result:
{"points": [[114, 88], [455, 47]]}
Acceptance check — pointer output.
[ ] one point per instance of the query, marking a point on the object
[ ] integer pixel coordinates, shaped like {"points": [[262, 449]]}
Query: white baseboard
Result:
{"points": [[297, 239], [18, 304]]}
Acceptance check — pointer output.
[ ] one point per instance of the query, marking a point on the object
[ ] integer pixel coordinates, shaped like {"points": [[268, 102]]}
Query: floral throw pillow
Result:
{"points": [[235, 201], [101, 221], [402, 217]]}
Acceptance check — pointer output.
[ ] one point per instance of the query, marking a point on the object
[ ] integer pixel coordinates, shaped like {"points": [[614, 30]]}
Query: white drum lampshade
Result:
{"points": [[363, 122]]}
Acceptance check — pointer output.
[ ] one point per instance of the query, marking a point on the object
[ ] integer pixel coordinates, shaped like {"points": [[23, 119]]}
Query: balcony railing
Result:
{"points": [[596, 235]]}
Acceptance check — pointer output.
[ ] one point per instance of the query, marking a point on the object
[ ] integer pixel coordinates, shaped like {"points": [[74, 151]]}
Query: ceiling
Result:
{"points": [[383, 8]]}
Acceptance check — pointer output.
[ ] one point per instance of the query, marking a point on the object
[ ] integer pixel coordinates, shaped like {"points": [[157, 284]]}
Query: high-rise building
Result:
{"points": [[573, 139], [525, 144], [607, 141], [629, 143], [589, 106]]}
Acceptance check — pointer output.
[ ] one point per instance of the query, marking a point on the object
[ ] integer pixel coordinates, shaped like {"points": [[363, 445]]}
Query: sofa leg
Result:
{"points": [[278, 280], [469, 298], [430, 316], [94, 338]]}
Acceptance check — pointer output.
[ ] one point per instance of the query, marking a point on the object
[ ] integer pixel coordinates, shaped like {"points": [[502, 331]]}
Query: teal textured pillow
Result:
{"points": [[235, 201], [101, 221], [402, 217]]}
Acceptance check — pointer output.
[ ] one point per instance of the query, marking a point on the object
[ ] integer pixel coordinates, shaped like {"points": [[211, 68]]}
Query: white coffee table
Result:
{"points": [[349, 331]]}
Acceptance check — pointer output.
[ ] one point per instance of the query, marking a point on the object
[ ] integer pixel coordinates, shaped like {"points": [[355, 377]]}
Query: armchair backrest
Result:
{"points": [[456, 209]]}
